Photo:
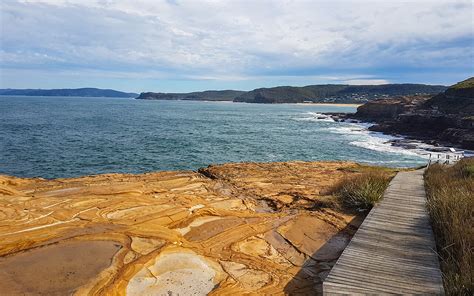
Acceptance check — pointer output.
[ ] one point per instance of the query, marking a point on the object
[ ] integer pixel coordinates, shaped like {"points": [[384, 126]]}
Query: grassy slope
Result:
{"points": [[468, 83], [450, 193]]}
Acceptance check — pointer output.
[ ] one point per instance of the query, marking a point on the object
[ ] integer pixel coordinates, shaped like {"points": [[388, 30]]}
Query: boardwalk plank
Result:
{"points": [[393, 252]]}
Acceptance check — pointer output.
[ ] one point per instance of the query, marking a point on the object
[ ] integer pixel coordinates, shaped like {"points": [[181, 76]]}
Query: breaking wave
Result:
{"points": [[314, 116], [360, 136]]}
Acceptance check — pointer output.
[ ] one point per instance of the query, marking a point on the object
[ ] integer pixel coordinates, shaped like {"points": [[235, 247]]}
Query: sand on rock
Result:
{"points": [[176, 272]]}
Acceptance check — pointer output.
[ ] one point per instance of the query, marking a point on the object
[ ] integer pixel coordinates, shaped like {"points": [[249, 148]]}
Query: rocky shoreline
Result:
{"points": [[409, 141], [446, 119]]}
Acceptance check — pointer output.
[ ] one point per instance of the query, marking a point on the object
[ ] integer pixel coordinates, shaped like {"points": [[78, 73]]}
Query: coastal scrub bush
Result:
{"points": [[362, 191], [450, 193]]}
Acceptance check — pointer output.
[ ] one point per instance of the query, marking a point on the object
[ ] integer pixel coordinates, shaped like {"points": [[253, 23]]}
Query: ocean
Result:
{"points": [[56, 137]]}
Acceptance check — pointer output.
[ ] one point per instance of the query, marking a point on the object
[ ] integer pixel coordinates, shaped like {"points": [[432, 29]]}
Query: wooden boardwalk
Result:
{"points": [[393, 252]]}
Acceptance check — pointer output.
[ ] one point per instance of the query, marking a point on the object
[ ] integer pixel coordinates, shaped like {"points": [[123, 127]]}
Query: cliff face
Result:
{"points": [[233, 229], [446, 117]]}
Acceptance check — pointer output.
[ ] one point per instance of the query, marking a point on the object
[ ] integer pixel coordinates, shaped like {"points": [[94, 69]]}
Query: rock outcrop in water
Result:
{"points": [[447, 117], [262, 228]]}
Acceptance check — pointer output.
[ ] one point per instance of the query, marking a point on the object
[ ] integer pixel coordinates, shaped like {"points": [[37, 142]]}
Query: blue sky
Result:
{"points": [[179, 46]]}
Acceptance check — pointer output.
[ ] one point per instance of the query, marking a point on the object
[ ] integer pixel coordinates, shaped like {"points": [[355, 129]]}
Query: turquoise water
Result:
{"points": [[54, 137]]}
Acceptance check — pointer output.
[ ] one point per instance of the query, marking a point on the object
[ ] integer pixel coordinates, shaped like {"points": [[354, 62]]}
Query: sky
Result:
{"points": [[181, 46]]}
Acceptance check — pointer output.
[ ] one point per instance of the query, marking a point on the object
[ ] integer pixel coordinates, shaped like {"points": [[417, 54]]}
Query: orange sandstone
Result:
{"points": [[256, 228]]}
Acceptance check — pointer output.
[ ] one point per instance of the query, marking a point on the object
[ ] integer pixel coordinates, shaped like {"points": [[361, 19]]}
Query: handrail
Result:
{"points": [[445, 157]]}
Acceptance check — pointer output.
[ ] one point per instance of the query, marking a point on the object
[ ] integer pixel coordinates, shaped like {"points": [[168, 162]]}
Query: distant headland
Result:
{"points": [[68, 92], [324, 93]]}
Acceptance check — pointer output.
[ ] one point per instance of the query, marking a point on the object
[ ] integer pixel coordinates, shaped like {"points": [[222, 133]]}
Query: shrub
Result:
{"points": [[362, 191], [450, 193], [468, 170]]}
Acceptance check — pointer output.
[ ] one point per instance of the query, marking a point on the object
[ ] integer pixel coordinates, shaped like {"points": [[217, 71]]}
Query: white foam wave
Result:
{"points": [[358, 135], [314, 116], [381, 145], [361, 137]]}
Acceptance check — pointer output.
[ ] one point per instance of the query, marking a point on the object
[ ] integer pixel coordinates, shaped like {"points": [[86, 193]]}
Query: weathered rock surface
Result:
{"points": [[262, 228]]}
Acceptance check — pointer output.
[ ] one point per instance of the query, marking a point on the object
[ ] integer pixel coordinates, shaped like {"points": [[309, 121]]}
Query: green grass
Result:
{"points": [[362, 191], [450, 192], [468, 83]]}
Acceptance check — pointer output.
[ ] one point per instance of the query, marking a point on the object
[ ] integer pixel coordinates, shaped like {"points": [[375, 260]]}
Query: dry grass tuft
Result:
{"points": [[450, 192], [362, 191]]}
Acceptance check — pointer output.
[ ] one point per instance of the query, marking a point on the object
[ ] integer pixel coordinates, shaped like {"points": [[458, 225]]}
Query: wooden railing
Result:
{"points": [[445, 157]]}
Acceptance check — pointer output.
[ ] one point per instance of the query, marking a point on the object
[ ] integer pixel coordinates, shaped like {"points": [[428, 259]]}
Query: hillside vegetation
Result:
{"points": [[208, 95], [332, 93], [336, 93], [468, 83]]}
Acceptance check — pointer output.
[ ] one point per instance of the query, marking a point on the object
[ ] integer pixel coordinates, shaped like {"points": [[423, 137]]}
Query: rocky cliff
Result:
{"points": [[447, 117], [233, 229]]}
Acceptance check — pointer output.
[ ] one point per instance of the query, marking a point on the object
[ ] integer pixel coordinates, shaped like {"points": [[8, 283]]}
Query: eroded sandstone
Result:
{"points": [[262, 228]]}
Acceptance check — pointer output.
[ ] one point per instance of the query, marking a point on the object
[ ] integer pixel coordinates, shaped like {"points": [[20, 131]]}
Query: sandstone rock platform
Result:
{"points": [[256, 228]]}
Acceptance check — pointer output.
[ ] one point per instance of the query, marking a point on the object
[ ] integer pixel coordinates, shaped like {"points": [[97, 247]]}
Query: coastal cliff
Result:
{"points": [[447, 117], [257, 228]]}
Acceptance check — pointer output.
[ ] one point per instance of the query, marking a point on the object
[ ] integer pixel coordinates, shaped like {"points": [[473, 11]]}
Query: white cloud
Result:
{"points": [[366, 81], [236, 38]]}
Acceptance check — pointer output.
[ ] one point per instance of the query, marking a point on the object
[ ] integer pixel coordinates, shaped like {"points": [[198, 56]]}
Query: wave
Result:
{"points": [[360, 136], [314, 116]]}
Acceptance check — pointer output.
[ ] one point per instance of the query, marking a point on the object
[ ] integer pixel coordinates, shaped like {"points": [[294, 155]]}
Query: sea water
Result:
{"points": [[55, 137]]}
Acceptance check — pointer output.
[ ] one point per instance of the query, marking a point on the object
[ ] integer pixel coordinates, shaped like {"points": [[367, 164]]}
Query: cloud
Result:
{"points": [[366, 81], [229, 39]]}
